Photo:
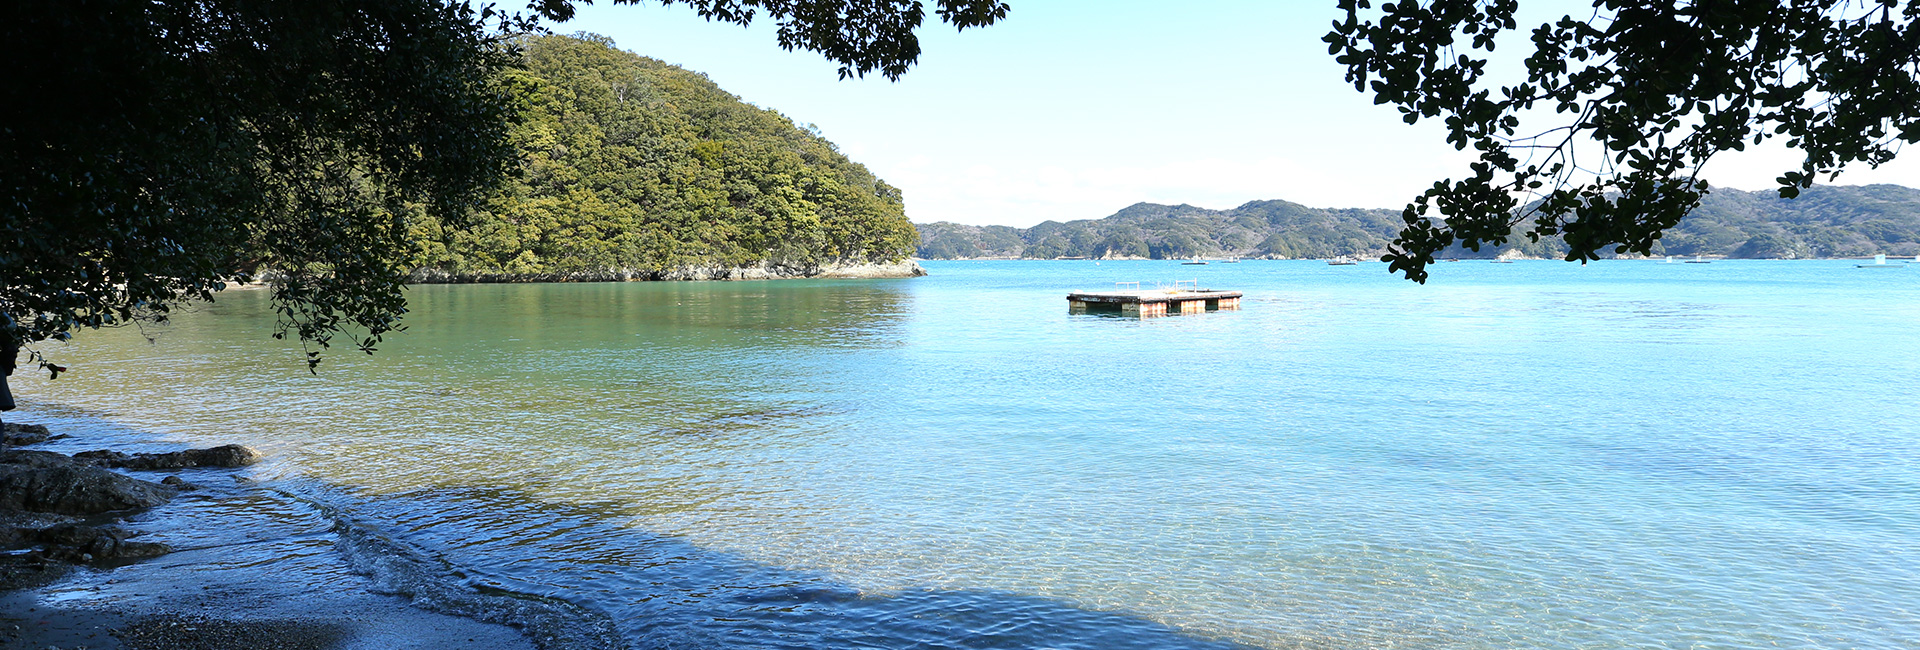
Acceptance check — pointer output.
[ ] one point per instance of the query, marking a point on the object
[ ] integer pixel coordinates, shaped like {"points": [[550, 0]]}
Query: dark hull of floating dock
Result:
{"points": [[1152, 303]]}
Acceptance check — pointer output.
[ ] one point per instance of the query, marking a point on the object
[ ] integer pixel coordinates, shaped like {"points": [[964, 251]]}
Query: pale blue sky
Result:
{"points": [[1073, 109]]}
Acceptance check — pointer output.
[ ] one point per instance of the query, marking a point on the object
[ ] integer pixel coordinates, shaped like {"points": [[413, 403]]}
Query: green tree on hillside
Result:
{"points": [[632, 164]]}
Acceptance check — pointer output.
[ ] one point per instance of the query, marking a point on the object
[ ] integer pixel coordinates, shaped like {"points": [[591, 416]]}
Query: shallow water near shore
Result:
{"points": [[1538, 455]]}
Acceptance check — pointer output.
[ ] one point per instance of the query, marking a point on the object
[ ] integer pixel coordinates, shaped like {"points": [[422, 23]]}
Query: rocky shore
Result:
{"points": [[65, 529], [763, 271], [58, 510]]}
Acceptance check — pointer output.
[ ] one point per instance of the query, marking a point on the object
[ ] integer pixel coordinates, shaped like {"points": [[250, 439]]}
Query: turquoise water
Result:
{"points": [[1530, 455]]}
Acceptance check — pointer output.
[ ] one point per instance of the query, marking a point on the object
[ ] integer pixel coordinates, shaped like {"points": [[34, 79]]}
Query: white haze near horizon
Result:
{"points": [[1075, 109]]}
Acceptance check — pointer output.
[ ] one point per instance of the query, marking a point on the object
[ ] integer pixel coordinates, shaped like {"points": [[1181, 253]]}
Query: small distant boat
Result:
{"points": [[1879, 262], [1342, 261], [1195, 262], [1501, 261], [1231, 261], [1697, 260], [1669, 260]]}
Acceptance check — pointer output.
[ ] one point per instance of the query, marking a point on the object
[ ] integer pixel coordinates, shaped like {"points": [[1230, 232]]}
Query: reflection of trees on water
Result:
{"points": [[488, 378], [778, 313], [659, 359]]}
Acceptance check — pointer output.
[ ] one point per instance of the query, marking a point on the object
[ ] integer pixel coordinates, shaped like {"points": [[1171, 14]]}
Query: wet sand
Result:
{"points": [[200, 600], [370, 626]]}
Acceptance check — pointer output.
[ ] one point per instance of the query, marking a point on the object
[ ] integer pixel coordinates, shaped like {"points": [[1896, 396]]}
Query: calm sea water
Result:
{"points": [[1530, 455]]}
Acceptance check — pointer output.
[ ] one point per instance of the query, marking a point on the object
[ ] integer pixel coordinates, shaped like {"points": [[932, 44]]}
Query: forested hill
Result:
{"points": [[636, 165], [1835, 221]]}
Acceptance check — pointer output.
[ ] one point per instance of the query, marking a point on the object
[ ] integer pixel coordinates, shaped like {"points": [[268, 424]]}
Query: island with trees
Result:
{"points": [[1823, 222], [635, 169]]}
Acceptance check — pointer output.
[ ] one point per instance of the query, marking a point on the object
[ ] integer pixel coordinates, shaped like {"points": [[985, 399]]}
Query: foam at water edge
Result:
{"points": [[435, 585]]}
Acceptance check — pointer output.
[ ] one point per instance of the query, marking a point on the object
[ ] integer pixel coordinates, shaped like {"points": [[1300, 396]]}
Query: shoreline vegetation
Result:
{"points": [[63, 515], [762, 271], [1374, 256]]}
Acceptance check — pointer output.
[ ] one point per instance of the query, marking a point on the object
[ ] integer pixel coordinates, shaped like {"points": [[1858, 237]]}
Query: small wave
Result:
{"points": [[433, 584]]}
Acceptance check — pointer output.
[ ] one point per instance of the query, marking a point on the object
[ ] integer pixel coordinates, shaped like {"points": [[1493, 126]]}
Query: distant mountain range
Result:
{"points": [[1826, 221]]}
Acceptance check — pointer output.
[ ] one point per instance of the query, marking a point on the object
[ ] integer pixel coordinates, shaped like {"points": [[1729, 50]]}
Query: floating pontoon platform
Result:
{"points": [[1155, 302]]}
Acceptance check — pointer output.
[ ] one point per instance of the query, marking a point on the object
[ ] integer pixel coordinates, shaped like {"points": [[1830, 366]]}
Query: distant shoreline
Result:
{"points": [[876, 270], [1826, 221], [1370, 258]]}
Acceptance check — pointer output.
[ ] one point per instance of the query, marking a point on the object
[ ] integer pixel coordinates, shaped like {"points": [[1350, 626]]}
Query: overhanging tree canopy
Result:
{"points": [[1647, 92], [152, 150], [863, 36]]}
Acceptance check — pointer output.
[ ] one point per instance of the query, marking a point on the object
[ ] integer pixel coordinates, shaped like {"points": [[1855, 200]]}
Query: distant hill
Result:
{"points": [[1826, 221]]}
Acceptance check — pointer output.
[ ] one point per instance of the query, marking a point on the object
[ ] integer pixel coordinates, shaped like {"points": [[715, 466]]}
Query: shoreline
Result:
{"points": [[766, 271], [79, 571], [909, 268], [1375, 257]]}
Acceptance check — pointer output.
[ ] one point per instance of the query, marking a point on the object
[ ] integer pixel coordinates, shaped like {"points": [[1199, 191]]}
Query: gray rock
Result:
{"points": [[17, 520], [41, 485], [80, 543], [23, 434], [40, 491], [221, 456], [32, 458]]}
